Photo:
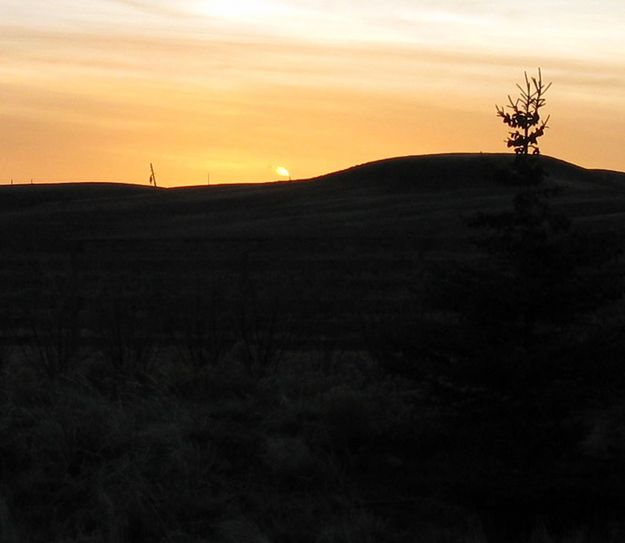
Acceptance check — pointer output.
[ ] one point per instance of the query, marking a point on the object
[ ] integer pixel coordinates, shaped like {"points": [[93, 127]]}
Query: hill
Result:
{"points": [[288, 362], [360, 234], [415, 196]]}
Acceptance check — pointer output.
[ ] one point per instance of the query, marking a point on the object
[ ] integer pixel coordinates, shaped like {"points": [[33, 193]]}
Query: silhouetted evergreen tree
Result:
{"points": [[542, 271], [521, 357], [525, 120]]}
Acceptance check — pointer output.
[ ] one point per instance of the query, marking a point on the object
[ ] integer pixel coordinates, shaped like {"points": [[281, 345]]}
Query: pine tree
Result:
{"points": [[523, 117], [520, 366], [546, 268], [525, 120]]}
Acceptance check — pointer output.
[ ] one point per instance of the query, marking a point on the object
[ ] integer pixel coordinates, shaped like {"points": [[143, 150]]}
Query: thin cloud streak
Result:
{"points": [[148, 73]]}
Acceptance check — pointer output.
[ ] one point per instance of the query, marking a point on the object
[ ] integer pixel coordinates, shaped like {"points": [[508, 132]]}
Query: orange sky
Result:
{"points": [[239, 87]]}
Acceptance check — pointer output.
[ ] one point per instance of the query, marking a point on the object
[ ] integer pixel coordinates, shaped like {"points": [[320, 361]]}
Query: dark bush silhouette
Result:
{"points": [[263, 329], [55, 326], [205, 327], [128, 331]]}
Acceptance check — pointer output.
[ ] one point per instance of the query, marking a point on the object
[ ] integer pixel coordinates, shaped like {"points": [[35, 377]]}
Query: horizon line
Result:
{"points": [[8, 182]]}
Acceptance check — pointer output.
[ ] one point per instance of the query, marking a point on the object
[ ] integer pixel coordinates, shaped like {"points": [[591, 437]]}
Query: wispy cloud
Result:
{"points": [[241, 78]]}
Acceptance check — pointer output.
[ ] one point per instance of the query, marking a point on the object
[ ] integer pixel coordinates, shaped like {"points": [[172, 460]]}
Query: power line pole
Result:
{"points": [[152, 176]]}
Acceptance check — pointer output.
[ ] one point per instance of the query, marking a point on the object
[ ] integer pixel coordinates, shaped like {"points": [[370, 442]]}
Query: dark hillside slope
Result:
{"points": [[419, 173], [454, 171], [358, 234], [413, 196], [15, 197], [302, 362]]}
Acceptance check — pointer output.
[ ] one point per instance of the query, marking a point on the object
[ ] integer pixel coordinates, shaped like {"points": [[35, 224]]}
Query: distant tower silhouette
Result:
{"points": [[152, 176]]}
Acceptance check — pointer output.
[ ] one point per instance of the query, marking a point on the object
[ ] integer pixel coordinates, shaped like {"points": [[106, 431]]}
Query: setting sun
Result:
{"points": [[282, 171]]}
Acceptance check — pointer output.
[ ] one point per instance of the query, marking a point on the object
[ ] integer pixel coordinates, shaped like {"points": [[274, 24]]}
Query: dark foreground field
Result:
{"points": [[305, 361]]}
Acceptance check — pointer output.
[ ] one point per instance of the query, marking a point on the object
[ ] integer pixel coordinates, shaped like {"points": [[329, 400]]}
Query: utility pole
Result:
{"points": [[152, 176]]}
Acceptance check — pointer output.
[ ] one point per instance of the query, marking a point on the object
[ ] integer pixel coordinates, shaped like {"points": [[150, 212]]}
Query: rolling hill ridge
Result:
{"points": [[415, 195]]}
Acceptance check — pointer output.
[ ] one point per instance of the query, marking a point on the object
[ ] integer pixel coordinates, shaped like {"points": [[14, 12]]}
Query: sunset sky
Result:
{"points": [[97, 89]]}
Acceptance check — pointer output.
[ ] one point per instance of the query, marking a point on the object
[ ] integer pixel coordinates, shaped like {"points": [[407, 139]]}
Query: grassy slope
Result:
{"points": [[360, 232], [127, 446], [404, 195]]}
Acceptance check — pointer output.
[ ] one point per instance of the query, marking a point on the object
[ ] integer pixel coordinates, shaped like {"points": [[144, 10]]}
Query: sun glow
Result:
{"points": [[281, 170]]}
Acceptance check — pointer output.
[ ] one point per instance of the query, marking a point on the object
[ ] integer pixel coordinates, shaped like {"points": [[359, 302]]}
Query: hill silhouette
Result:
{"points": [[416, 195], [456, 171], [220, 363]]}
